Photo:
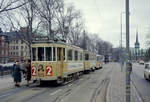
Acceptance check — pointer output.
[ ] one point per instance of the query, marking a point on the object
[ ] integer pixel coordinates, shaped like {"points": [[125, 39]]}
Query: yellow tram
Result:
{"points": [[57, 61], [99, 61], [89, 60]]}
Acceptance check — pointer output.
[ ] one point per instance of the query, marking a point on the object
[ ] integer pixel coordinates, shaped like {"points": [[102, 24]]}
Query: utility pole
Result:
{"points": [[128, 64], [121, 54]]}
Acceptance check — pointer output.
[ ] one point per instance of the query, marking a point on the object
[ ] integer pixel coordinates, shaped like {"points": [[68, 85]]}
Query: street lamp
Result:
{"points": [[121, 28], [121, 60]]}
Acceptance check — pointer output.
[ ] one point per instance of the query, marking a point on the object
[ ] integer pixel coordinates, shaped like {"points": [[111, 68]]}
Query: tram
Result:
{"points": [[99, 61], [89, 61], [58, 61]]}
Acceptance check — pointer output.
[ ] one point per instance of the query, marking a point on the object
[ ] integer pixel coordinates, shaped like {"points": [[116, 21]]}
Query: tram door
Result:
{"points": [[60, 59]]}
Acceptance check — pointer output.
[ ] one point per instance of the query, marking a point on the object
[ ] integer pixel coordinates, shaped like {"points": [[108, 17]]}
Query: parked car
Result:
{"points": [[141, 62], [147, 71]]}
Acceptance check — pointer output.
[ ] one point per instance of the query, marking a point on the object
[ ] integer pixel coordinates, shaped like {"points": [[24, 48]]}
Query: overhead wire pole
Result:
{"points": [[128, 64], [121, 40]]}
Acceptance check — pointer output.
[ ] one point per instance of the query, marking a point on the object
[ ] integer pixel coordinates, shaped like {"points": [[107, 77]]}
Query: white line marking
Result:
{"points": [[56, 92]]}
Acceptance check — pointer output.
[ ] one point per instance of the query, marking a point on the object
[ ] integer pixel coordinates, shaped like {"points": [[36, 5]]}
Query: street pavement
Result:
{"points": [[6, 82], [142, 86], [116, 89], [105, 85]]}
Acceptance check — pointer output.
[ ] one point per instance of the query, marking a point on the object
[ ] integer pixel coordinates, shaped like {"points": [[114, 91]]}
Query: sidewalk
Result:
{"points": [[6, 82], [116, 89]]}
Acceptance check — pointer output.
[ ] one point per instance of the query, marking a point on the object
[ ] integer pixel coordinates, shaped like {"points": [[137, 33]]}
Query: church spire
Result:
{"points": [[137, 45], [137, 41]]}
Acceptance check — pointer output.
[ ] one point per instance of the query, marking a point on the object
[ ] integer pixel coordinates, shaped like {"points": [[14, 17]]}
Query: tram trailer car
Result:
{"points": [[89, 61], [99, 61], [55, 61]]}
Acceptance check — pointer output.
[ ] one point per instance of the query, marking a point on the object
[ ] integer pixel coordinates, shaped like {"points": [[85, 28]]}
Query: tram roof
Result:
{"points": [[46, 40]]}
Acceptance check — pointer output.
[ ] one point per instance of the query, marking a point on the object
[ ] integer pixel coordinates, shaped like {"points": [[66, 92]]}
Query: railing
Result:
{"points": [[6, 69]]}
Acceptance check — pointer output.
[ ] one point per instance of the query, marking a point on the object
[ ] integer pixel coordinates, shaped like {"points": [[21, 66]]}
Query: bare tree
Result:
{"points": [[46, 10], [69, 22], [7, 5], [24, 18]]}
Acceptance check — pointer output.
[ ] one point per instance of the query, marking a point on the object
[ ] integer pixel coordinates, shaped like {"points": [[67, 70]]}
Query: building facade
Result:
{"points": [[18, 49], [12, 48], [4, 48]]}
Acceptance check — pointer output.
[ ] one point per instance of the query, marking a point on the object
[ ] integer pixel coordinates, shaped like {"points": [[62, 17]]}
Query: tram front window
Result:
{"points": [[40, 53], [48, 54], [33, 54]]}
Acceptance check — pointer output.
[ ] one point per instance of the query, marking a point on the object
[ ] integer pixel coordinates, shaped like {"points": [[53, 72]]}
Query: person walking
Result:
{"points": [[28, 71], [22, 66], [17, 74]]}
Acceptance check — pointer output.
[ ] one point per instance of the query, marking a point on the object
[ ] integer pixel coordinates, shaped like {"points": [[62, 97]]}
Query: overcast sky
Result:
{"points": [[103, 17]]}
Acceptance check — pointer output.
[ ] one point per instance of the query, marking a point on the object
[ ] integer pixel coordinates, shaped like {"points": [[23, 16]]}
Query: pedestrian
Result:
{"points": [[28, 71], [22, 66], [17, 74]]}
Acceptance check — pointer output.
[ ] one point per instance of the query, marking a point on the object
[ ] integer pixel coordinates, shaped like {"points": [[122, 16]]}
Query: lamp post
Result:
{"points": [[128, 63], [121, 60]]}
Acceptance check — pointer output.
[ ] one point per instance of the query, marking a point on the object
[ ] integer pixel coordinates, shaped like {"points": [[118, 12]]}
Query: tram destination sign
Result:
{"points": [[45, 38]]}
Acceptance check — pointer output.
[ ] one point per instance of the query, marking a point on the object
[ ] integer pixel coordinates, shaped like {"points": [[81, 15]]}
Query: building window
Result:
{"points": [[6, 52], [21, 41], [2, 44], [14, 53], [21, 47], [17, 53], [2, 52], [16, 41], [16, 47], [21, 53]]}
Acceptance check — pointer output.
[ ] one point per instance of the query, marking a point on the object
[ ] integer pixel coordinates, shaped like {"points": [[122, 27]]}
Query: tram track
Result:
{"points": [[101, 91], [67, 89], [102, 86]]}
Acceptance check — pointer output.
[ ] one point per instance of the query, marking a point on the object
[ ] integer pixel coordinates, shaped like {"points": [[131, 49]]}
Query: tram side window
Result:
{"points": [[40, 53], [48, 54], [33, 54], [86, 57], [70, 54], [54, 53], [76, 55], [58, 54], [81, 56], [64, 53], [97, 58]]}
